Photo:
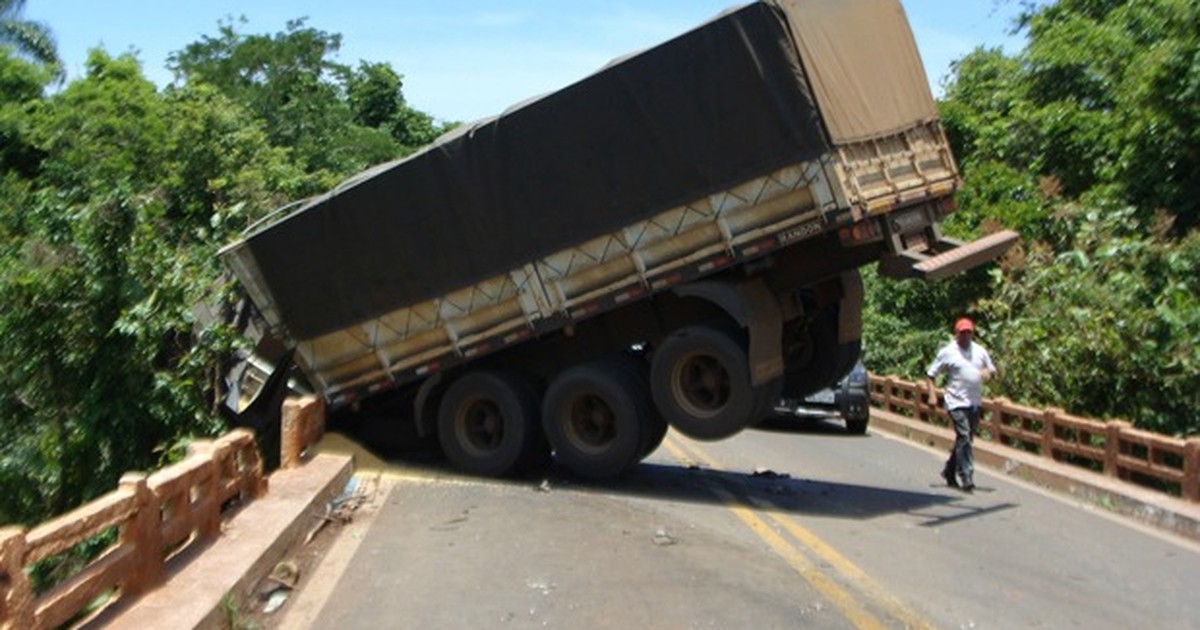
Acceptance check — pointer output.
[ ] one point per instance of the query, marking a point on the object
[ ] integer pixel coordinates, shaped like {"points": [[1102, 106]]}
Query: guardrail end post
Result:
{"points": [[303, 424], [292, 434]]}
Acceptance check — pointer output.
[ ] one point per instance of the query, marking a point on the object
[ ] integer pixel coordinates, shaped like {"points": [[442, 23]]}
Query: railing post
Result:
{"points": [[1191, 470], [16, 595], [1112, 447], [143, 533], [992, 420], [208, 524], [1049, 422], [303, 420], [246, 464], [292, 440], [889, 386]]}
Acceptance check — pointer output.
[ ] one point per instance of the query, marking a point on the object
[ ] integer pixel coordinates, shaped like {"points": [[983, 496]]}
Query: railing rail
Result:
{"points": [[1112, 448], [156, 516]]}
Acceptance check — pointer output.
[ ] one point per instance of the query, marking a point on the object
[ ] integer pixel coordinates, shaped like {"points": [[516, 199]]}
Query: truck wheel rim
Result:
{"points": [[702, 385], [480, 426], [590, 426]]}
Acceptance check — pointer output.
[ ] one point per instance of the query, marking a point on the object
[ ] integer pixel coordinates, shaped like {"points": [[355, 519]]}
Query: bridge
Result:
{"points": [[228, 530]]}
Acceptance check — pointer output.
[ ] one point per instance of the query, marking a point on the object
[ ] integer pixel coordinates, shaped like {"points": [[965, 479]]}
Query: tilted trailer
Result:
{"points": [[672, 241]]}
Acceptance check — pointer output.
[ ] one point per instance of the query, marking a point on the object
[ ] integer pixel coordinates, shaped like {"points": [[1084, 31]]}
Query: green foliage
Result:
{"points": [[221, 173], [29, 39], [1108, 326], [21, 84], [115, 315], [334, 119], [104, 129], [374, 92], [1086, 142], [1105, 95]]}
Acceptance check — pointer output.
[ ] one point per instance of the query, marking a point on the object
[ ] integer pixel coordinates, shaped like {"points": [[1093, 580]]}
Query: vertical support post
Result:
{"points": [[1112, 447], [993, 420], [246, 465], [889, 386], [143, 533], [16, 595], [1191, 470], [208, 505], [1049, 423], [292, 434], [303, 425]]}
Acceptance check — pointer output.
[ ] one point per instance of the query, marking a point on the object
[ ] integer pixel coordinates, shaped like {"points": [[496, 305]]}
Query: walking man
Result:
{"points": [[966, 365]]}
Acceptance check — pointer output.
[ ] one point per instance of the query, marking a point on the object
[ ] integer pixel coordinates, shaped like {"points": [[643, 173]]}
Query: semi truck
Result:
{"points": [[672, 241]]}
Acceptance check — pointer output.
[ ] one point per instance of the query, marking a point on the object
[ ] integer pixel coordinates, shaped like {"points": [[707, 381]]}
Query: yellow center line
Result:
{"points": [[855, 612]]}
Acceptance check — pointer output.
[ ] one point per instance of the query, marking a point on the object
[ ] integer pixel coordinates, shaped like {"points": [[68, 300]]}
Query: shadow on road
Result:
{"points": [[763, 490]]}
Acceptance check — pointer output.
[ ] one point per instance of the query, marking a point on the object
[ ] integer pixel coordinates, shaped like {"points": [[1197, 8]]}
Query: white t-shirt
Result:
{"points": [[963, 367]]}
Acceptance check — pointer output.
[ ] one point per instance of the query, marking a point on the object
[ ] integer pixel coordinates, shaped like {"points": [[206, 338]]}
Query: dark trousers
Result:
{"points": [[962, 457]]}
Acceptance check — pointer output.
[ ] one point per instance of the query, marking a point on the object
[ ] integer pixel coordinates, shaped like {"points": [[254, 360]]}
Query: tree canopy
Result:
{"points": [[30, 39]]}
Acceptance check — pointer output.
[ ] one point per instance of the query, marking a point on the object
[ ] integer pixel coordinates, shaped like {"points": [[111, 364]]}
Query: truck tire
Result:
{"points": [[488, 424], [816, 366], [592, 415], [654, 426], [700, 379]]}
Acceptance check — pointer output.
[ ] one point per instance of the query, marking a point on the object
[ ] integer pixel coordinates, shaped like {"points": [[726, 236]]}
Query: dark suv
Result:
{"points": [[849, 398]]}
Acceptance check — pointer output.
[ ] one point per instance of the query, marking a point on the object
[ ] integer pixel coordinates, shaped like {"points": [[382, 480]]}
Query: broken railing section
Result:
{"points": [[303, 426], [155, 516]]}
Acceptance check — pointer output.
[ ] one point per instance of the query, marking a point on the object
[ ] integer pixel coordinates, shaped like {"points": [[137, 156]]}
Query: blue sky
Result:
{"points": [[467, 60]]}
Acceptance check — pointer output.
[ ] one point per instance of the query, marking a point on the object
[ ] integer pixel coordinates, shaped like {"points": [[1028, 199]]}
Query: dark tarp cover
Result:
{"points": [[721, 104]]}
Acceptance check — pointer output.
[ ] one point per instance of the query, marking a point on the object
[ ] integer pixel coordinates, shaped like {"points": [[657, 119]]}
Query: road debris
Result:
{"points": [[285, 574], [276, 600], [543, 585], [767, 473], [341, 508], [663, 538]]}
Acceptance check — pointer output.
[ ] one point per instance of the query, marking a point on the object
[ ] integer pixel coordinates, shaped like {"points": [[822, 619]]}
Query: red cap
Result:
{"points": [[964, 324]]}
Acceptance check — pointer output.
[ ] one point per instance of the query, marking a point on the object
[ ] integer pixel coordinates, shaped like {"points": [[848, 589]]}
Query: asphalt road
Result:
{"points": [[774, 528]]}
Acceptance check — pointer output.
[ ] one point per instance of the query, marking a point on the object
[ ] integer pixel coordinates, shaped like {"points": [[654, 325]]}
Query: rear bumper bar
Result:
{"points": [[947, 257]]}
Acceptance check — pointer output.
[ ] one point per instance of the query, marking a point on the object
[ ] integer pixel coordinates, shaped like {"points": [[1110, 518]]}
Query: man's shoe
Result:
{"points": [[949, 477], [968, 487]]}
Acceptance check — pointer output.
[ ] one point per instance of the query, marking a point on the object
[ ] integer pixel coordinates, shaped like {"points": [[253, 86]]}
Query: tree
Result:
{"points": [[289, 82], [1105, 100], [103, 257], [335, 119], [29, 39], [21, 86]]}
